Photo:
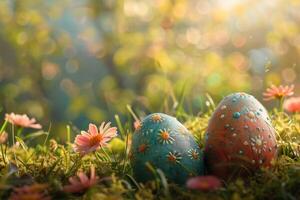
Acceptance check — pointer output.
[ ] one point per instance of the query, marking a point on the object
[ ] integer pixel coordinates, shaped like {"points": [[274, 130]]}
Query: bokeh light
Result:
{"points": [[86, 60]]}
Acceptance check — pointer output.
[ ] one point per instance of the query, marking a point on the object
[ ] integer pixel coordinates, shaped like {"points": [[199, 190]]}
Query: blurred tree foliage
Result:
{"points": [[85, 60]]}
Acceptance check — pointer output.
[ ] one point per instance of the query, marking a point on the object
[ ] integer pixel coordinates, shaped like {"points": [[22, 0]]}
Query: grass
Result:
{"points": [[53, 163]]}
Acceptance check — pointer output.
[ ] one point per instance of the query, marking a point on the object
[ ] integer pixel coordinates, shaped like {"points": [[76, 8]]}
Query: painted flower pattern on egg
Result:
{"points": [[165, 143], [240, 137]]}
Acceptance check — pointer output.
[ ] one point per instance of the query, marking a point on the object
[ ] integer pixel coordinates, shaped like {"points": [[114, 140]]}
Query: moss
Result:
{"points": [[55, 163]]}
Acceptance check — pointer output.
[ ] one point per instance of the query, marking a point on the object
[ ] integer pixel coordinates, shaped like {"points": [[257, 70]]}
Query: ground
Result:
{"points": [[52, 163]]}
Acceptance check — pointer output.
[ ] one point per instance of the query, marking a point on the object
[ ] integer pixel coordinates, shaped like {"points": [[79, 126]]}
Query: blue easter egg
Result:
{"points": [[165, 143]]}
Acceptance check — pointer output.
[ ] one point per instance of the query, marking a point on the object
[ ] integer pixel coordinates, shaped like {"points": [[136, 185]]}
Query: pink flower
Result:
{"points": [[81, 182], [94, 139], [3, 137], [292, 104], [32, 192], [204, 183], [22, 120], [278, 92]]}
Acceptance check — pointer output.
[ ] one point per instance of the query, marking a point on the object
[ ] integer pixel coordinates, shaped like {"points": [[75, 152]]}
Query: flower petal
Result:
{"points": [[93, 130], [83, 178]]}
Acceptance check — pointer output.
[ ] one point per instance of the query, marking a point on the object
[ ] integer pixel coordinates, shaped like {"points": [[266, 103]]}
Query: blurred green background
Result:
{"points": [[85, 60]]}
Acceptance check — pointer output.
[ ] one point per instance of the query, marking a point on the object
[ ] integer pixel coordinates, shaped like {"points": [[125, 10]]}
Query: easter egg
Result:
{"points": [[240, 138], [166, 144]]}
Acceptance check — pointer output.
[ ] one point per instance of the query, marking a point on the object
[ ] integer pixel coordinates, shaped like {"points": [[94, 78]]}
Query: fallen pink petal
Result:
{"points": [[81, 182], [204, 183], [30, 192]]}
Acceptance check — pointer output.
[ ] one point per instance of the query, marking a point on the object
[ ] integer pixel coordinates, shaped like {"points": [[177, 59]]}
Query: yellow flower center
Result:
{"points": [[95, 139], [165, 135], [172, 158], [279, 95]]}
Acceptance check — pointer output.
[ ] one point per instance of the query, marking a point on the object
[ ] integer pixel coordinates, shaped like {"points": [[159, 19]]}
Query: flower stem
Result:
{"points": [[1, 132], [68, 136], [3, 156], [281, 104], [13, 140], [3, 127], [106, 154], [125, 153], [19, 131], [132, 113]]}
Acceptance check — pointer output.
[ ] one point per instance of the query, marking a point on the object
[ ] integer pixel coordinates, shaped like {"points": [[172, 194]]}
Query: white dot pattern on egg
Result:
{"points": [[240, 137]]}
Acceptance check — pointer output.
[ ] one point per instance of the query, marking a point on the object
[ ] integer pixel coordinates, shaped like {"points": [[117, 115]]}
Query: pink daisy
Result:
{"points": [[81, 182], [204, 183], [278, 92], [30, 192], [292, 104], [22, 120], [94, 139]]}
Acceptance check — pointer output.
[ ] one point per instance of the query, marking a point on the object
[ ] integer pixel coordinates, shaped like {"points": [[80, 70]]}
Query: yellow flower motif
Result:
{"points": [[165, 137], [157, 118], [258, 144], [193, 154], [174, 157]]}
